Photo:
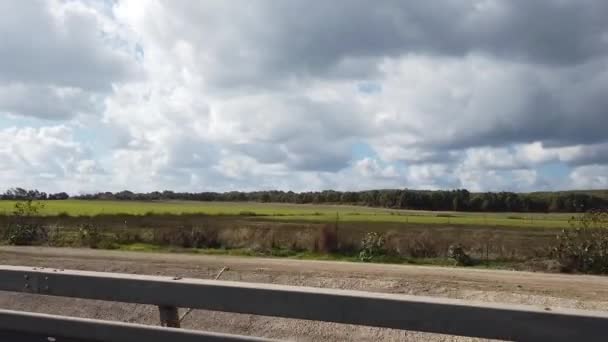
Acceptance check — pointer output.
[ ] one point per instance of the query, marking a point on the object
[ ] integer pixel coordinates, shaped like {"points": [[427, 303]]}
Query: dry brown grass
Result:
{"points": [[237, 232]]}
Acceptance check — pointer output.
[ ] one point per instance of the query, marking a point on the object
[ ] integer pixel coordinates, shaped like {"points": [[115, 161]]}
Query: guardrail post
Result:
{"points": [[169, 316]]}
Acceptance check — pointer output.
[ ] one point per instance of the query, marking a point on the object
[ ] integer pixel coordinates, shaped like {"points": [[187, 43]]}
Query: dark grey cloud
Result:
{"points": [[323, 155], [299, 132], [71, 51], [46, 102], [266, 153], [589, 155], [267, 39], [300, 153], [190, 153], [566, 32], [567, 108], [555, 96], [58, 59]]}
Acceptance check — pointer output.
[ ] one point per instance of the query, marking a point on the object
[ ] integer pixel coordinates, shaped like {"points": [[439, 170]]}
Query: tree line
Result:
{"points": [[23, 194], [456, 200], [452, 200]]}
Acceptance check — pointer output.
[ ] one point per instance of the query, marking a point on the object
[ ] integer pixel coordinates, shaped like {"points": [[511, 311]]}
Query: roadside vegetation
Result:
{"points": [[583, 247], [20, 229]]}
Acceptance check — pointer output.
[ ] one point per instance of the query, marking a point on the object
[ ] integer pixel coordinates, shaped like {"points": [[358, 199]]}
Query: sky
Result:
{"points": [[215, 95]]}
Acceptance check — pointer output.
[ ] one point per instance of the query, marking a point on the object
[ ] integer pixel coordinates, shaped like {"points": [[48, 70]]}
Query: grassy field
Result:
{"points": [[294, 212], [296, 231]]}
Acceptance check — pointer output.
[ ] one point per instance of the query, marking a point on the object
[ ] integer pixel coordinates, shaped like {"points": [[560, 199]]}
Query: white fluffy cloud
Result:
{"points": [[49, 155], [59, 58], [590, 176], [217, 95]]}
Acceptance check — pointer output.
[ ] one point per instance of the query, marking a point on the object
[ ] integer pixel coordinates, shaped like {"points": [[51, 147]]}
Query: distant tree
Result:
{"points": [[58, 196], [265, 197], [556, 204], [457, 204], [486, 205]]}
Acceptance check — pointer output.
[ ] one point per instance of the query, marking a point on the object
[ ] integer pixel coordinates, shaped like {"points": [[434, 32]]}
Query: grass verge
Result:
{"points": [[304, 255]]}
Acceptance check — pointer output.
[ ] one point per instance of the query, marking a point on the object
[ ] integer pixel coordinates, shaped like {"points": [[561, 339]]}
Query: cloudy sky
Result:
{"points": [[303, 95]]}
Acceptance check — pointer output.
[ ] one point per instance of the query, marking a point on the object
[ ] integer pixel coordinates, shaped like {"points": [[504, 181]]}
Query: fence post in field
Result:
{"points": [[169, 316]]}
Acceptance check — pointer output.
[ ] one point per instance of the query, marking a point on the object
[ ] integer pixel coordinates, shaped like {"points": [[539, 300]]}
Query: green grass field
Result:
{"points": [[295, 212]]}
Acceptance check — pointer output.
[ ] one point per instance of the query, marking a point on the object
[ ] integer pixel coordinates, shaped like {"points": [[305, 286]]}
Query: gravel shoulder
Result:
{"points": [[543, 290]]}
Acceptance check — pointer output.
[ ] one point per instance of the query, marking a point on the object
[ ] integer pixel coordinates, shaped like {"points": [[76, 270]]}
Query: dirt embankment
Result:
{"points": [[544, 290]]}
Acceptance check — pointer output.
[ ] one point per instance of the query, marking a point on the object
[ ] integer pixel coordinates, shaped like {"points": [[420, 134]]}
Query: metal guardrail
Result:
{"points": [[26, 326], [425, 314]]}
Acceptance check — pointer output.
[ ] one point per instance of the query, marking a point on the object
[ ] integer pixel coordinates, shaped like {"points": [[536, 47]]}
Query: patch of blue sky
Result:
{"points": [[554, 170], [8, 121], [369, 87], [361, 150]]}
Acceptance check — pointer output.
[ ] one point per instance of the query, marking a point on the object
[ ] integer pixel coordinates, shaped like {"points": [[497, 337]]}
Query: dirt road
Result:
{"points": [[544, 290]]}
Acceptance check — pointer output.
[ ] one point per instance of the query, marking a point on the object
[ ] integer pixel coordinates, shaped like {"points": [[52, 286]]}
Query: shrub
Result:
{"points": [[458, 253], [206, 238], [27, 208], [424, 245], [89, 235], [108, 242], [372, 245], [23, 231], [60, 237], [171, 237], [328, 239], [129, 236], [187, 237], [22, 234], [584, 247], [182, 238]]}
